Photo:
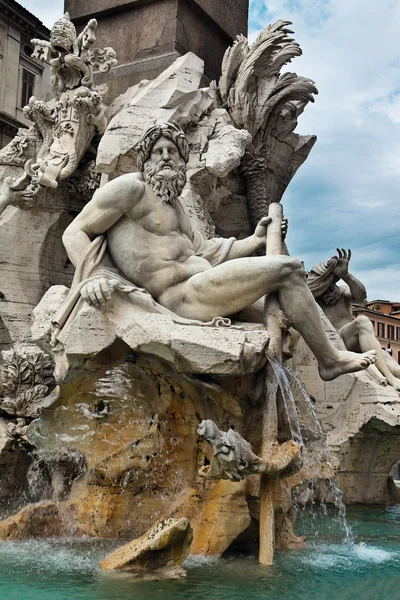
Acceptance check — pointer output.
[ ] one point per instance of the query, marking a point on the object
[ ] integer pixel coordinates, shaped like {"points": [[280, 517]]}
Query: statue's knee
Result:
{"points": [[364, 324], [294, 267]]}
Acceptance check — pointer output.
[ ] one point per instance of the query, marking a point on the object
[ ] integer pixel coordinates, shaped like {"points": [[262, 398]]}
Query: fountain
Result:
{"points": [[150, 413]]}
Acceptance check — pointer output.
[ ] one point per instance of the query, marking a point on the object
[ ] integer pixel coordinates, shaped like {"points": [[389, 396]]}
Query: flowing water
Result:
{"points": [[327, 569], [288, 400]]}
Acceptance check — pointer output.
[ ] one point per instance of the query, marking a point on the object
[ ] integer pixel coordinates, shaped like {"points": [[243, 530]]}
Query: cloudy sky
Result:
{"points": [[347, 194]]}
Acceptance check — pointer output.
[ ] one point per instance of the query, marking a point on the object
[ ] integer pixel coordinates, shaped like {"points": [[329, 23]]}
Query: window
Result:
{"points": [[373, 323], [381, 329], [398, 333], [28, 86], [398, 357], [28, 50], [390, 332]]}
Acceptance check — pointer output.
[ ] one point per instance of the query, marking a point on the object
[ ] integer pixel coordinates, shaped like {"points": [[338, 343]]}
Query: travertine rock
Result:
{"points": [[44, 519], [136, 472], [14, 464], [218, 513], [190, 348], [172, 96], [362, 421], [224, 515], [158, 554]]}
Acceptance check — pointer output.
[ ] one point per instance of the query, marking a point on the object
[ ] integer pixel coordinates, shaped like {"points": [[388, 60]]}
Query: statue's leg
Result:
{"points": [[349, 334], [253, 313], [235, 284], [359, 335], [393, 366]]}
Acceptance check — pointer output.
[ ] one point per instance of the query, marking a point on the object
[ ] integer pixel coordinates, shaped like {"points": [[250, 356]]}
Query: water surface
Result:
{"points": [[327, 569]]}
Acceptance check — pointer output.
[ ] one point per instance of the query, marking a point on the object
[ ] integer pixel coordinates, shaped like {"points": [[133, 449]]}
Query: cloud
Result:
{"points": [[348, 191]]}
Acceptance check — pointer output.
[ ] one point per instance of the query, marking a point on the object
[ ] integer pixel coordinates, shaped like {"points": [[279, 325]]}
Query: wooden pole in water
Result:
{"points": [[270, 412]]}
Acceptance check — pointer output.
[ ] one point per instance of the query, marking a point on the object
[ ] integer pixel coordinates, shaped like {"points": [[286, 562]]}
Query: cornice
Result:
{"points": [[23, 20]]}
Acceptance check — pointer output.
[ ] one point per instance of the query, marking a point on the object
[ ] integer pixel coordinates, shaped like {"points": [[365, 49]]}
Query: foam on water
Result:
{"points": [[371, 553], [51, 556], [200, 560], [347, 555]]}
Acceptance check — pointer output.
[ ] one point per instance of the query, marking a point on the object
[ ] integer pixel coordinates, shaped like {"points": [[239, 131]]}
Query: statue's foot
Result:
{"points": [[394, 382], [377, 375], [346, 362]]}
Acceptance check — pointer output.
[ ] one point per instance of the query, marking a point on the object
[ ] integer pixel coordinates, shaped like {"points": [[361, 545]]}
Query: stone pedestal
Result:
{"points": [[148, 35]]}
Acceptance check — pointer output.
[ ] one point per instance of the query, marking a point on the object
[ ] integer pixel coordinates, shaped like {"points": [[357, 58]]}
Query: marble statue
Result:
{"points": [[63, 128], [336, 301], [142, 222]]}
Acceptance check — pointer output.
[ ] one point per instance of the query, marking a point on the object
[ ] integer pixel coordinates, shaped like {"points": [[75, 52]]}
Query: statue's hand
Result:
{"points": [[342, 267], [284, 228], [260, 232], [98, 291]]}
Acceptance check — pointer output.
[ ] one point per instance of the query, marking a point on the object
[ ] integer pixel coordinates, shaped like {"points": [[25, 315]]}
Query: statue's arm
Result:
{"points": [[355, 291], [246, 247], [219, 250], [106, 207]]}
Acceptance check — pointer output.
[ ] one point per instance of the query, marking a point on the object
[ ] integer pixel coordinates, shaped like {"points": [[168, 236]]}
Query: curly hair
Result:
{"points": [[169, 130]]}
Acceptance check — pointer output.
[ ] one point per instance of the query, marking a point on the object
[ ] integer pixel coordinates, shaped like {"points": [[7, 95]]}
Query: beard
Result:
{"points": [[332, 294], [166, 178]]}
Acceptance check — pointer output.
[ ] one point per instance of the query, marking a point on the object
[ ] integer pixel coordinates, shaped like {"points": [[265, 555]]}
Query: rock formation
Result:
{"points": [[158, 554]]}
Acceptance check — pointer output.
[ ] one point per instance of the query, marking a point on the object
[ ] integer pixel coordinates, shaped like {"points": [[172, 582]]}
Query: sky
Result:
{"points": [[347, 193]]}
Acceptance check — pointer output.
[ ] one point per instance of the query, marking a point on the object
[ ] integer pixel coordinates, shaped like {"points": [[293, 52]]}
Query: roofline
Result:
{"points": [[24, 19], [383, 301], [362, 307]]}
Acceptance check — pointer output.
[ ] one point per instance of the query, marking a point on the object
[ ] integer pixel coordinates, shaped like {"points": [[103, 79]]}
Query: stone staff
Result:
{"points": [[270, 412]]}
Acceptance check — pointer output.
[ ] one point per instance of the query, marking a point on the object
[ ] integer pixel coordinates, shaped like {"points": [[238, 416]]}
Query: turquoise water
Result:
{"points": [[328, 569]]}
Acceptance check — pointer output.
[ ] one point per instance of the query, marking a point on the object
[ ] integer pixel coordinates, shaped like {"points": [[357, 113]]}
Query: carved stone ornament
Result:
{"points": [[18, 432], [234, 458], [265, 103], [26, 382], [65, 126]]}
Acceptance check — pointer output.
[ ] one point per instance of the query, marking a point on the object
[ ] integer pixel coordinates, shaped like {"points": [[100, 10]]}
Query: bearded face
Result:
{"points": [[332, 294], [165, 170]]}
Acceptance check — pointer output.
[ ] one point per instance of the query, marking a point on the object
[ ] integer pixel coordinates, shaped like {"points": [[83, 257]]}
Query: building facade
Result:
{"points": [[21, 76], [385, 317]]}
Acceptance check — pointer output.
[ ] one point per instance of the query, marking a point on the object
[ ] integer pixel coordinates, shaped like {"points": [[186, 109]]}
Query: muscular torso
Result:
{"points": [[339, 313], [150, 245]]}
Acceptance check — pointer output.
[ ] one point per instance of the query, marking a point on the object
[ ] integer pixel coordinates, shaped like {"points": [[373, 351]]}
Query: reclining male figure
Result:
{"points": [[153, 244]]}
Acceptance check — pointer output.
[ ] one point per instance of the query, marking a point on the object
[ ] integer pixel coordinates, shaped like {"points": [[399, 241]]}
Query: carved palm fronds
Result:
{"points": [[266, 103], [26, 379]]}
